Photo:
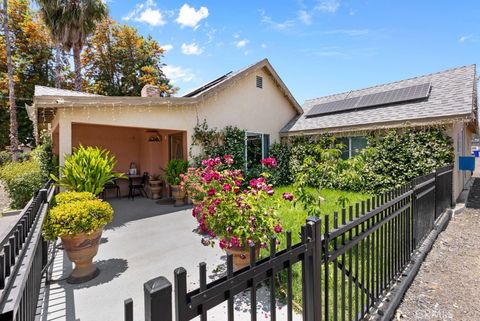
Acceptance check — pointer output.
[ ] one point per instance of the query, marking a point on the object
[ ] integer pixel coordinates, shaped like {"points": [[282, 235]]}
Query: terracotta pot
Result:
{"points": [[241, 257], [156, 189], [178, 194], [81, 249]]}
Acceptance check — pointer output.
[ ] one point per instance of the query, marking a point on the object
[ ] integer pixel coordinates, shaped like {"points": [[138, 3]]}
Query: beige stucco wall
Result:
{"points": [[241, 104], [459, 132]]}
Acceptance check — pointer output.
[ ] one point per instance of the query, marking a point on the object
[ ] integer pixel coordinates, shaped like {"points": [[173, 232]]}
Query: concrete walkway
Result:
{"points": [[144, 241]]}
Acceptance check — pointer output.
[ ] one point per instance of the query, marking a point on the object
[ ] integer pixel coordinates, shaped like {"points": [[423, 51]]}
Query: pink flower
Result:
{"points": [[216, 201], [253, 183], [229, 229], [222, 243], [237, 182], [212, 192], [218, 160], [235, 241], [277, 229], [211, 209], [205, 162], [288, 196], [227, 187], [269, 162], [228, 159], [211, 162]]}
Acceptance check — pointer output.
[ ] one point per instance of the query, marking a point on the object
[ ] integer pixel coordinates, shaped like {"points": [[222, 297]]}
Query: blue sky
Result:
{"points": [[318, 47]]}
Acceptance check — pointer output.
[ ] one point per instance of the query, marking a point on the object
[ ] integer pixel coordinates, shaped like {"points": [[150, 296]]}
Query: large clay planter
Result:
{"points": [[81, 249], [178, 195], [241, 257], [156, 189]]}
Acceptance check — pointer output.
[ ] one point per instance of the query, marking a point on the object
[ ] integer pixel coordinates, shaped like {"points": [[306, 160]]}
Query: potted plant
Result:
{"points": [[238, 216], [155, 183], [175, 168], [78, 218], [88, 169], [191, 183]]}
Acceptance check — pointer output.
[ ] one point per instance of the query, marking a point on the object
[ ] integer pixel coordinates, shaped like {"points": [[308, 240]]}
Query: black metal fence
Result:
{"points": [[348, 261], [23, 255]]}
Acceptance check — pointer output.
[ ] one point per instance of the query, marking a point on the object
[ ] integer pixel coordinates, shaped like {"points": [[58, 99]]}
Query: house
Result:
{"points": [[150, 130], [448, 97]]}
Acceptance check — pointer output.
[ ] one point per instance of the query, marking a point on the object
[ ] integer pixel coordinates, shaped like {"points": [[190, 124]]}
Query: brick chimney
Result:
{"points": [[150, 91]]}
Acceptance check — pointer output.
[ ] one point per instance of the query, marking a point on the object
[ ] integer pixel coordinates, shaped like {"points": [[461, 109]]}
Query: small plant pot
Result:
{"points": [[156, 189], [81, 249], [241, 257], [178, 195]]}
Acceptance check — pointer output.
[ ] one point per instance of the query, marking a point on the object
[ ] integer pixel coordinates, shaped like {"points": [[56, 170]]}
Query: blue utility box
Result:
{"points": [[466, 163]]}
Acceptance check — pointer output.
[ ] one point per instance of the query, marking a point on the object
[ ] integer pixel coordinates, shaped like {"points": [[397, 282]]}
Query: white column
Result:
{"points": [[64, 140]]}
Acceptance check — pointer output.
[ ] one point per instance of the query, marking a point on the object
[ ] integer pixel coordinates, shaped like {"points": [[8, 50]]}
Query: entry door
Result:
{"points": [[175, 146]]}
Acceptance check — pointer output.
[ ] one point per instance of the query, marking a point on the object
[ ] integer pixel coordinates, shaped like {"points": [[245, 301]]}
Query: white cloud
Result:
{"points": [[287, 24], [189, 17], [151, 16], [304, 17], [178, 73], [147, 13], [241, 43], [466, 38], [191, 49], [330, 6], [264, 46], [167, 47]]}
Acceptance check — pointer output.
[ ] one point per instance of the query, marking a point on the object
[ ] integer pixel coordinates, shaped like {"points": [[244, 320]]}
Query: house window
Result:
{"points": [[259, 82], [352, 145], [256, 149]]}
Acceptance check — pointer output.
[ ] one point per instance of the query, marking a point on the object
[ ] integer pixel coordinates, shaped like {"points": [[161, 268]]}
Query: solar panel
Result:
{"points": [[372, 100]]}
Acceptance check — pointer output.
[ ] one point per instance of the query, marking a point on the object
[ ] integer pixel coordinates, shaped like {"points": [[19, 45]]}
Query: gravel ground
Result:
{"points": [[447, 285]]}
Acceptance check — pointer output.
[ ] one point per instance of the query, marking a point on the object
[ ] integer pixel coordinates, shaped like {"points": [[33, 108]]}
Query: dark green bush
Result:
{"points": [[43, 154], [21, 181], [282, 174]]}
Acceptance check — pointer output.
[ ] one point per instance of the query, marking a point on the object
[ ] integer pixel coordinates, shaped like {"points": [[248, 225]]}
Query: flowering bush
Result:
{"points": [[238, 216]]}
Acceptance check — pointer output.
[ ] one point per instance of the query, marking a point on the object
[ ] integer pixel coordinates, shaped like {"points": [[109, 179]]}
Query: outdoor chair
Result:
{"points": [[109, 186], [134, 186]]}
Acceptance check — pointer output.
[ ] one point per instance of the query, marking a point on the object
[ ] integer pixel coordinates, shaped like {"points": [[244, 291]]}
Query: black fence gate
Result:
{"points": [[348, 261]]}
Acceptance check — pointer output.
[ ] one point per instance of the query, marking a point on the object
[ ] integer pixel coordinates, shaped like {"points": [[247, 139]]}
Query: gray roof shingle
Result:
{"points": [[451, 95], [50, 91]]}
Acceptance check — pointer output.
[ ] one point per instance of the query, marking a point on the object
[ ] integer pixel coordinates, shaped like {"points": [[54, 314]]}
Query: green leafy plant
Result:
{"points": [[43, 154], [21, 181], [175, 168], [281, 174], [80, 215], [88, 169], [5, 157], [69, 197]]}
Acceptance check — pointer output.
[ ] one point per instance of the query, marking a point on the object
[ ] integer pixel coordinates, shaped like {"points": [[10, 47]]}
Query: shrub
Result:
{"points": [[88, 169], [72, 218], [175, 168], [5, 157], [21, 181], [69, 197], [281, 174], [43, 154]]}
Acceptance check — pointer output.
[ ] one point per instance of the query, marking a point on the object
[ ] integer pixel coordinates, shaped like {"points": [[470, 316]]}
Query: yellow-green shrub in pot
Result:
{"points": [[78, 219], [77, 216]]}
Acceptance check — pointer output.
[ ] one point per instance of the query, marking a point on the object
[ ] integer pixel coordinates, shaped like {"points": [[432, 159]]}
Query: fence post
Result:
{"points": [[414, 215], [158, 299], [180, 282], [316, 268], [43, 195], [128, 310]]}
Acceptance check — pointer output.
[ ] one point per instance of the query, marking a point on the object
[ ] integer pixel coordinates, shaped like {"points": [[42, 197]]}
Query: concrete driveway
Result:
{"points": [[144, 241]]}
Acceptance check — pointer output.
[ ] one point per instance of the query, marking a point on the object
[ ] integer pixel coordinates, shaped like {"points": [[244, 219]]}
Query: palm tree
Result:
{"points": [[71, 22], [11, 84], [52, 16]]}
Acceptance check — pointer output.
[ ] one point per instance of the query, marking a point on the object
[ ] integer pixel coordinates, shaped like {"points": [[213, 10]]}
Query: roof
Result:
{"points": [[49, 91], [222, 82], [452, 95], [47, 97]]}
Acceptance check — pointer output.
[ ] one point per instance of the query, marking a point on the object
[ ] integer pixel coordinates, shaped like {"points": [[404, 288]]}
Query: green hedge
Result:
{"points": [[21, 180]]}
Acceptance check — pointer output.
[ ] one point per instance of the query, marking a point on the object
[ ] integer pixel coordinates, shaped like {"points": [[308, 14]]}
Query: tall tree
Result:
{"points": [[31, 56], [11, 84], [118, 61], [51, 11], [72, 21]]}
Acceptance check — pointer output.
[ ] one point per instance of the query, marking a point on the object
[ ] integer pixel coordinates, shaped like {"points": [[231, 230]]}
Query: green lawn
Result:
{"points": [[292, 218]]}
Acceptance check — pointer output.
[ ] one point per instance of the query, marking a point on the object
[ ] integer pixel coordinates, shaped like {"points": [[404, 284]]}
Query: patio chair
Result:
{"points": [[134, 186], [109, 186]]}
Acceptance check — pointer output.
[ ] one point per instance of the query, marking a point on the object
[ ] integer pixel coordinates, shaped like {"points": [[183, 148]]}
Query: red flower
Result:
{"points": [[211, 192], [277, 229], [227, 187], [269, 162]]}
